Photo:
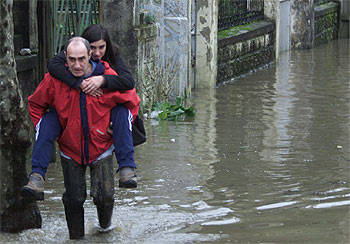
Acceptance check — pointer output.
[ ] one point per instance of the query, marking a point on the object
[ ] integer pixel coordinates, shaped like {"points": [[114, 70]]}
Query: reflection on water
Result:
{"points": [[265, 160]]}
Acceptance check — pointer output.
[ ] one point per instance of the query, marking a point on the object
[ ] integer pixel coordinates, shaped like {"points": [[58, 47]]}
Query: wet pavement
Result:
{"points": [[266, 160]]}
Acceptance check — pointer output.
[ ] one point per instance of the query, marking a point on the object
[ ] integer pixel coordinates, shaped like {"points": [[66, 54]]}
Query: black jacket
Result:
{"points": [[122, 82]]}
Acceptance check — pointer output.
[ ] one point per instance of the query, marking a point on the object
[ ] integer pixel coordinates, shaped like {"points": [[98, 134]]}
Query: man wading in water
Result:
{"points": [[84, 140]]}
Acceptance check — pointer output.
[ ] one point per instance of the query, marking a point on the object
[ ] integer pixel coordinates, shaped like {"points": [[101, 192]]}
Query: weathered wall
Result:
{"points": [[283, 30], [193, 44], [118, 18], [344, 25], [245, 51], [174, 19], [302, 23], [177, 41], [271, 9], [138, 43], [147, 48], [279, 12], [206, 43], [326, 22]]}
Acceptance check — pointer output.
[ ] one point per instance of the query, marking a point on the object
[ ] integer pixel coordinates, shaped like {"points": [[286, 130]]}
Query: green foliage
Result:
{"points": [[175, 111]]}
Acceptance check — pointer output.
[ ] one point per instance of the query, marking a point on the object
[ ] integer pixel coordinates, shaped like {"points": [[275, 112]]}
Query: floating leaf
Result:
{"points": [[173, 111], [163, 115]]}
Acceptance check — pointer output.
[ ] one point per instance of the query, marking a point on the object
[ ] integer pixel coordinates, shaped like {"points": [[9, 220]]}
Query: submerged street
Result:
{"points": [[265, 160]]}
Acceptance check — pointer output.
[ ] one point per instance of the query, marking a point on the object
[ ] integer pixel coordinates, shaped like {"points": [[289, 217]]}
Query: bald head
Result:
{"points": [[75, 41], [78, 55]]}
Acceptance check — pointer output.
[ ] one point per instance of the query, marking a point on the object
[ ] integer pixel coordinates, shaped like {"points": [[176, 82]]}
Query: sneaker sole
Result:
{"points": [[31, 195], [128, 184]]}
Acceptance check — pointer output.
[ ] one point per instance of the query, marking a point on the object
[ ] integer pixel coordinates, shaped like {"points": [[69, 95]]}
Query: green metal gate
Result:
{"points": [[61, 20], [69, 18]]}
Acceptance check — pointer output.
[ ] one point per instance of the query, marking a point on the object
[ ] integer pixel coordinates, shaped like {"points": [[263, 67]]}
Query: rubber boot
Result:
{"points": [[75, 222], [105, 217], [102, 190], [74, 196]]}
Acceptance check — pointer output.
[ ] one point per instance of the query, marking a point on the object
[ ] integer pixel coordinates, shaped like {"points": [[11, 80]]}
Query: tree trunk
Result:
{"points": [[15, 136]]}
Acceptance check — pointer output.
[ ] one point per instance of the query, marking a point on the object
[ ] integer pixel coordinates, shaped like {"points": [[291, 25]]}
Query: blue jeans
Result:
{"points": [[49, 129]]}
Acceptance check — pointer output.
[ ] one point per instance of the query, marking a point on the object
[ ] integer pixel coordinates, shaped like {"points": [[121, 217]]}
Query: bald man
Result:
{"points": [[82, 137]]}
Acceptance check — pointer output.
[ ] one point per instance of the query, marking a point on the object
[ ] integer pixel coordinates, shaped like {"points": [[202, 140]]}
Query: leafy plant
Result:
{"points": [[174, 111]]}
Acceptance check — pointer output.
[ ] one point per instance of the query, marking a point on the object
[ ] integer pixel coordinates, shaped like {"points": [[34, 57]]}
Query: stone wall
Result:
{"points": [[206, 43], [118, 17], [174, 20], [128, 23], [302, 24], [279, 12], [248, 48], [344, 26], [147, 48], [326, 22]]}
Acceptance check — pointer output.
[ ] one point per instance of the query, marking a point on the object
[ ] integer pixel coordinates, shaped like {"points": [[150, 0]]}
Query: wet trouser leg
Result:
{"points": [[47, 131], [102, 189], [122, 136], [74, 196]]}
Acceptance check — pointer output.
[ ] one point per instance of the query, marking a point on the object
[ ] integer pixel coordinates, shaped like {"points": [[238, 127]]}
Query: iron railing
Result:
{"points": [[238, 12], [70, 18]]}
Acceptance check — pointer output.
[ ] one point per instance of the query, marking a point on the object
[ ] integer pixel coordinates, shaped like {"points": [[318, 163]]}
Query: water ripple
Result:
{"points": [[331, 204], [276, 205]]}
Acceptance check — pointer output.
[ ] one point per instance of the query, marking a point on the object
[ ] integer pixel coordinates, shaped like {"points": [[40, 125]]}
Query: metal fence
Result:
{"points": [[70, 18], [238, 12]]}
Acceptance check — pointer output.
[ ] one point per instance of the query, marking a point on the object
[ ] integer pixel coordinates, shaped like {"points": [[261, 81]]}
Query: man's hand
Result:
{"points": [[97, 93], [110, 128], [92, 85]]}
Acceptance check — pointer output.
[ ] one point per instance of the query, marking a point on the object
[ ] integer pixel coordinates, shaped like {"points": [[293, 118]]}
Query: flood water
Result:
{"points": [[266, 160]]}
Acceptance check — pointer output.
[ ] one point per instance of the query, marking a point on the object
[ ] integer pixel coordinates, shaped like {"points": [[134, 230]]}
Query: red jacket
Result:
{"points": [[54, 93]]}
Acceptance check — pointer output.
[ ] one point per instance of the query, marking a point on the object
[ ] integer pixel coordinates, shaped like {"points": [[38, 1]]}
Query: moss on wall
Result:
{"points": [[234, 31], [326, 22], [245, 48]]}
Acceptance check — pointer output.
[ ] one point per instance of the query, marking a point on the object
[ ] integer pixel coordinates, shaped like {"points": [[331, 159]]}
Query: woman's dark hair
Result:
{"points": [[98, 32]]}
